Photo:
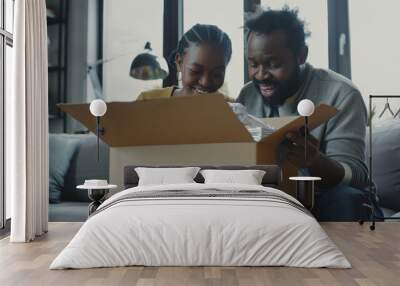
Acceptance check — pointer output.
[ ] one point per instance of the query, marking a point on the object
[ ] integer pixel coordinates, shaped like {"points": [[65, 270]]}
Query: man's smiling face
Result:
{"points": [[273, 66]]}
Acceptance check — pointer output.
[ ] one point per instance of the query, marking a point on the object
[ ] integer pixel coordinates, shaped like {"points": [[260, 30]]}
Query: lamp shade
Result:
{"points": [[98, 107], [305, 107], [148, 66]]}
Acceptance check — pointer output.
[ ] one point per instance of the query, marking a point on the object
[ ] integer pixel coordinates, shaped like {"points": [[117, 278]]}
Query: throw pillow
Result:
{"points": [[162, 176], [247, 177]]}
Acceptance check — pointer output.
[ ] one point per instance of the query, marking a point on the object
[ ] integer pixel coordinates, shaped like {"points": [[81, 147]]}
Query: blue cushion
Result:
{"points": [[84, 165], [386, 162], [61, 150]]}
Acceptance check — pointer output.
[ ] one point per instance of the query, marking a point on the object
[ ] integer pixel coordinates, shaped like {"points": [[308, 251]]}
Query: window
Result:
{"points": [[315, 14], [127, 26], [375, 47], [210, 12], [9, 12], [6, 42]]}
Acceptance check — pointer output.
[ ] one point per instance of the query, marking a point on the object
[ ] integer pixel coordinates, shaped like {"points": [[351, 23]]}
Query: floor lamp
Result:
{"points": [[145, 66]]}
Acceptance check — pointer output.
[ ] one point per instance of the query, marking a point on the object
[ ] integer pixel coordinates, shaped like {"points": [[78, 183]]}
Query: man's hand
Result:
{"points": [[296, 150], [318, 164]]}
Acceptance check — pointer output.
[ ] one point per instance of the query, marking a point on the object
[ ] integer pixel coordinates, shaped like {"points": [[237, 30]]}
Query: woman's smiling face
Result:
{"points": [[203, 68]]}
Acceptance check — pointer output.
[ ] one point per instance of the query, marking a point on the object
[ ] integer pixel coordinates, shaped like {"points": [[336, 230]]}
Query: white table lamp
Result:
{"points": [[98, 108], [305, 108], [305, 185]]}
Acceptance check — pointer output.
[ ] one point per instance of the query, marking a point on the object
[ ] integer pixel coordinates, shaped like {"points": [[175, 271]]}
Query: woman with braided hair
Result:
{"points": [[200, 59]]}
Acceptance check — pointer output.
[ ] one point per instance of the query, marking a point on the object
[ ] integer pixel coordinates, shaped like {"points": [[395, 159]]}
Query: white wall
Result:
{"points": [[8, 142], [375, 46]]}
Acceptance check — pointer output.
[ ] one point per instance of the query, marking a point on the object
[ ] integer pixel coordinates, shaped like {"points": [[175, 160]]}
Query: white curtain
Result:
{"points": [[27, 124]]}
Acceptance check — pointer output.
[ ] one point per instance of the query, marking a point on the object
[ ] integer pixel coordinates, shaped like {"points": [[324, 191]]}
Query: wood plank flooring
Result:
{"points": [[375, 257]]}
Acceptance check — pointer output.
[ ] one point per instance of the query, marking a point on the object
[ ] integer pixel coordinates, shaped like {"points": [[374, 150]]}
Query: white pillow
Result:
{"points": [[248, 177], [165, 176]]}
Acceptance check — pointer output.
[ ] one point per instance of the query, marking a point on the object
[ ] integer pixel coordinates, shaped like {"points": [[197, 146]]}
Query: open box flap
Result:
{"points": [[175, 120], [182, 120], [322, 113]]}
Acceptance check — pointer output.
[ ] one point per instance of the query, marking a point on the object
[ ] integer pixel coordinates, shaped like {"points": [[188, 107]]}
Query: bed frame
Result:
{"points": [[272, 177]]}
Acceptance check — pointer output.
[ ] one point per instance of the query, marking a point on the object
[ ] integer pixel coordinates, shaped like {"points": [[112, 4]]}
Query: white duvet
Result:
{"points": [[219, 231]]}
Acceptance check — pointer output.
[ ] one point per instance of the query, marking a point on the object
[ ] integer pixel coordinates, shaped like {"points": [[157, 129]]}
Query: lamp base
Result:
{"points": [[97, 197], [305, 190]]}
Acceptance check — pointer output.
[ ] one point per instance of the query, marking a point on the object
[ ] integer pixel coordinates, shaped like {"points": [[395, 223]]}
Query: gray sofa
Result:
{"points": [[72, 159]]}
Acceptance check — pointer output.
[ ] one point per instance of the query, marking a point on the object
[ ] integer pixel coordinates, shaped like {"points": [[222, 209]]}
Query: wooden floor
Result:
{"points": [[375, 256]]}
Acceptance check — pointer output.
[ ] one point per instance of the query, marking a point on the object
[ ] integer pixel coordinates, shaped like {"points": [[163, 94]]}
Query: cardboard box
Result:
{"points": [[197, 130]]}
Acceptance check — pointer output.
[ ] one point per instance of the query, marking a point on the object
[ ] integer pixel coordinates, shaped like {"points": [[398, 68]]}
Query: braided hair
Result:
{"points": [[198, 34]]}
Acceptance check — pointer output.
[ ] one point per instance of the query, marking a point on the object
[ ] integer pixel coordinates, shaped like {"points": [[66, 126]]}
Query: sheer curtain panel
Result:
{"points": [[27, 124]]}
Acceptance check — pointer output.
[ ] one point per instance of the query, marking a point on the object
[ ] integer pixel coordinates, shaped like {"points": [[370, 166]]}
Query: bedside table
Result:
{"points": [[305, 187], [96, 193]]}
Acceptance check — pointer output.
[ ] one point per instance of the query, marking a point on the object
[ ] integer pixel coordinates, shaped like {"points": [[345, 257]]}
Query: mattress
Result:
{"points": [[201, 225]]}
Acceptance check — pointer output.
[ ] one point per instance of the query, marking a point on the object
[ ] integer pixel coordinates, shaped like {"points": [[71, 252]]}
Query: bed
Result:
{"points": [[201, 224]]}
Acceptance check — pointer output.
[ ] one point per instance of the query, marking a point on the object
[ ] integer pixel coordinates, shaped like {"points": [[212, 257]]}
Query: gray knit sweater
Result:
{"points": [[342, 138]]}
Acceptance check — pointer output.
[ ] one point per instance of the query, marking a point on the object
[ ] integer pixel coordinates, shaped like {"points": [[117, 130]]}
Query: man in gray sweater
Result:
{"points": [[276, 54]]}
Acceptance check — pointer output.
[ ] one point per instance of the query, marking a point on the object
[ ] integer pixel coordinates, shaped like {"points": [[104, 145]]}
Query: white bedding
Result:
{"points": [[182, 231]]}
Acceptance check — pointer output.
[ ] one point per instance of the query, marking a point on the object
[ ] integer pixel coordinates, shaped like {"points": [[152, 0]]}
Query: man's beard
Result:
{"points": [[283, 90]]}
